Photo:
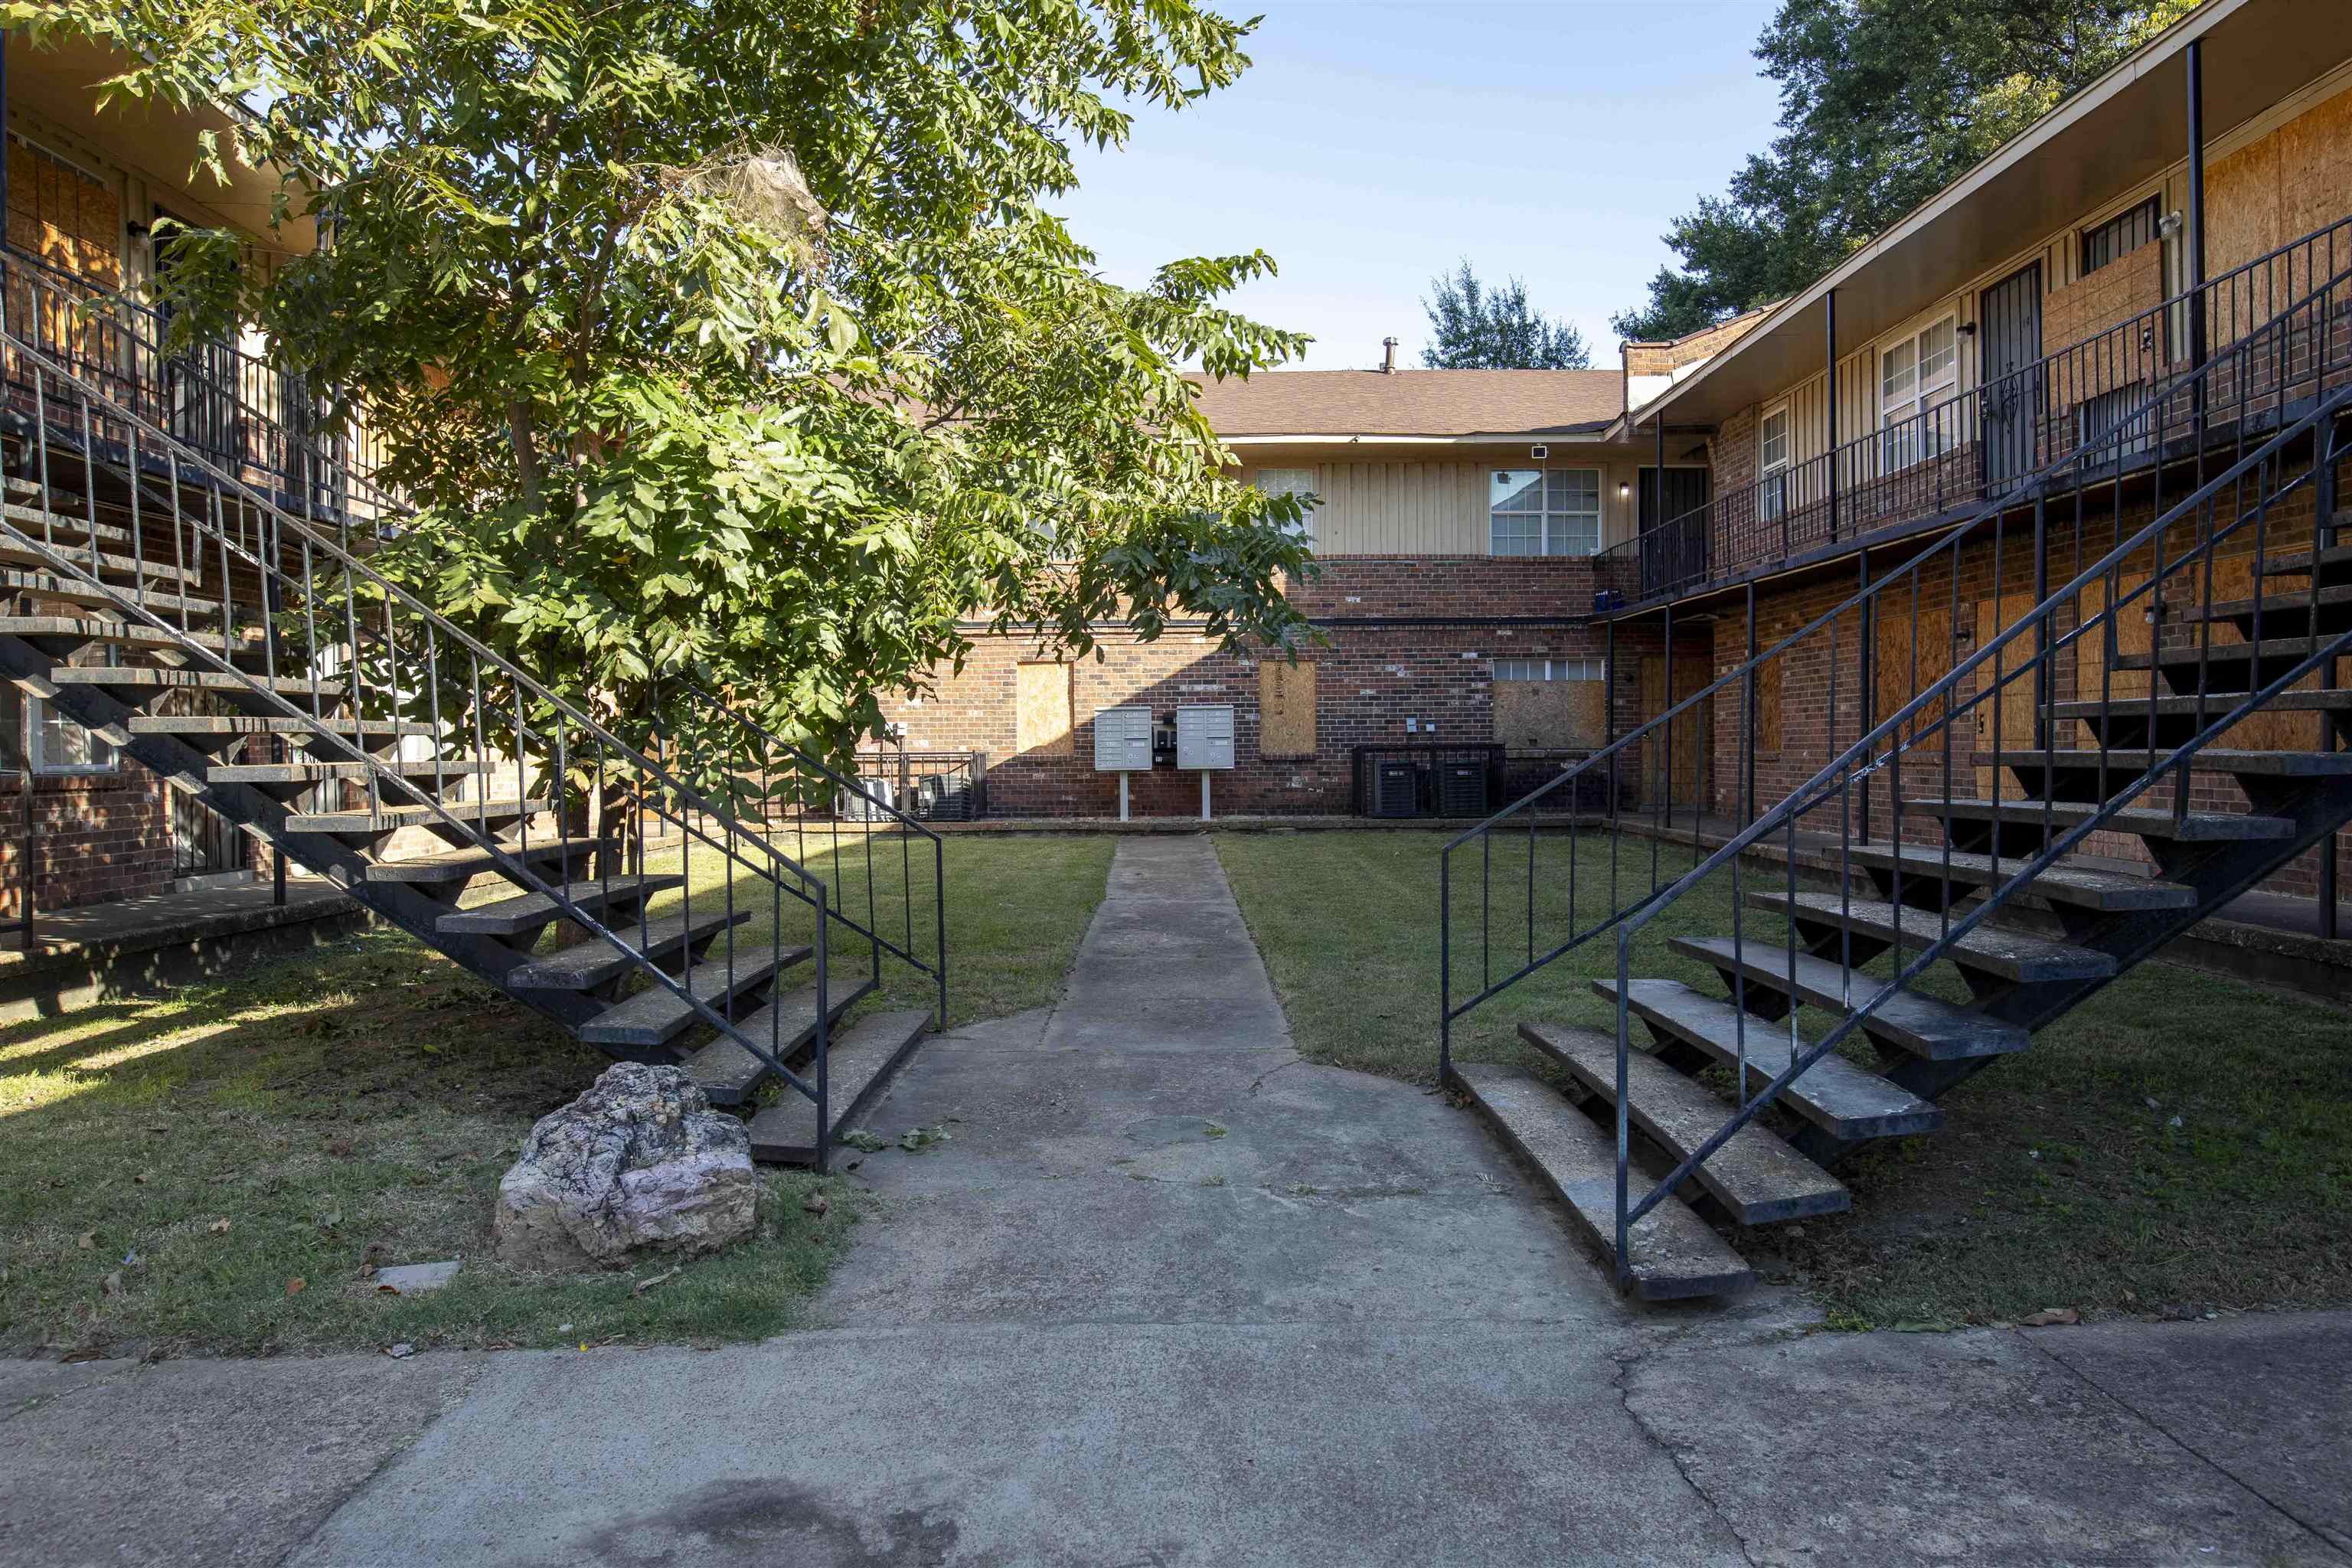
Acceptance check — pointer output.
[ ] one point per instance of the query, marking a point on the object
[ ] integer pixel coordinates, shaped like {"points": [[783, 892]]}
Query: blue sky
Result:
{"points": [[1372, 145]]}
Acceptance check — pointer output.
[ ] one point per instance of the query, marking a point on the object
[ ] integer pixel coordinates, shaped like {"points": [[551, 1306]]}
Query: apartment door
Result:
{"points": [[2009, 372], [1672, 558]]}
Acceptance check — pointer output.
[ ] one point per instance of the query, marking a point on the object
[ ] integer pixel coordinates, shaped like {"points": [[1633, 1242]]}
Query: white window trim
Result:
{"points": [[1946, 388], [1772, 500], [1311, 496], [1576, 668], [35, 712], [1547, 520]]}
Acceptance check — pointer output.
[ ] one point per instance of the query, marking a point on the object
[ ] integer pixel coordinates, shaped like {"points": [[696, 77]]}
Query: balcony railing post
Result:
{"points": [[1829, 317], [2197, 331]]}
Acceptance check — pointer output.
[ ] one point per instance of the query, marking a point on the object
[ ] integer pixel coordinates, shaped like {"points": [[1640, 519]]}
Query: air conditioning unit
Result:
{"points": [[1462, 789], [1396, 789], [850, 806]]}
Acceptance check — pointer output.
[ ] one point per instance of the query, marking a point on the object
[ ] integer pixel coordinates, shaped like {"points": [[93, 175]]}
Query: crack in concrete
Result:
{"points": [[2320, 1534], [1626, 1361], [1259, 1081]]}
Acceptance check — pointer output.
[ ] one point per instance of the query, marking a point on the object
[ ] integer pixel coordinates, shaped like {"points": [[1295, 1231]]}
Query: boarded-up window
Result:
{"points": [[66, 216], [1043, 715], [1555, 704], [1915, 651], [1285, 708], [1769, 687]]}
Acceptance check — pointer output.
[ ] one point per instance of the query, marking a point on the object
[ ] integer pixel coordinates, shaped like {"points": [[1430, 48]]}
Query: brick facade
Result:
{"points": [[1373, 674]]}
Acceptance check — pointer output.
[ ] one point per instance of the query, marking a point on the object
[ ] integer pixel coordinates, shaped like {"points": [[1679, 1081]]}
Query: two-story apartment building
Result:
{"points": [[1456, 518], [2154, 222]]}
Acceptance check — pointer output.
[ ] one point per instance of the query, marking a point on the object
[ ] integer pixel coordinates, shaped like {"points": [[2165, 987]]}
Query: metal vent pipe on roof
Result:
{"points": [[1388, 356]]}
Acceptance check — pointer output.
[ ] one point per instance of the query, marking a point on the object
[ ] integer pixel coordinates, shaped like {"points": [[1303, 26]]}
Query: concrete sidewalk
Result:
{"points": [[1169, 1294]]}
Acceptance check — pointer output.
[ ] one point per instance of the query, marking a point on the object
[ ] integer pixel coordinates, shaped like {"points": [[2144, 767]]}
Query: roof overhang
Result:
{"points": [[2127, 127], [156, 140], [1595, 435]]}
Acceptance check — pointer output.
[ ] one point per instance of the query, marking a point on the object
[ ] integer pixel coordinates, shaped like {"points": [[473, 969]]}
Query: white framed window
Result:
{"points": [[1543, 512], [1298, 482], [1915, 375], [1550, 668], [56, 744], [1772, 463]]}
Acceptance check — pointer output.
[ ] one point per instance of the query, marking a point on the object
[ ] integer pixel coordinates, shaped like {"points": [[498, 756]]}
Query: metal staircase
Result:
{"points": [[639, 893], [2171, 591]]}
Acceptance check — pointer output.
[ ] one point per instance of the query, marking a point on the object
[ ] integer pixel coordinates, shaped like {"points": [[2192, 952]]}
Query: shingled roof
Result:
{"points": [[1414, 402]]}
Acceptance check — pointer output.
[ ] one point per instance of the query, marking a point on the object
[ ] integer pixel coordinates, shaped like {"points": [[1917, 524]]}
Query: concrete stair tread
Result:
{"points": [[2169, 705], [1672, 1253], [74, 590], [2062, 883], [144, 677], [656, 1015], [527, 912], [2174, 657], [2298, 563], [1846, 1101], [2292, 601], [1923, 1025], [107, 564], [1755, 1176], [320, 773], [127, 634], [33, 519], [387, 818], [1995, 950], [2147, 822], [2127, 762], [729, 1072], [234, 725], [584, 965], [464, 864], [858, 1064]]}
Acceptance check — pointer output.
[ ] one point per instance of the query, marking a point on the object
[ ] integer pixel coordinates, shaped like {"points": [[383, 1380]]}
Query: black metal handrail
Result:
{"points": [[394, 660], [234, 407], [2276, 378], [1974, 446], [780, 769]]}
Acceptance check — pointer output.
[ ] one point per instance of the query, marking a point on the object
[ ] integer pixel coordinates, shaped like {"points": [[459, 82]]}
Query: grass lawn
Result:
{"points": [[2177, 1142], [359, 1104]]}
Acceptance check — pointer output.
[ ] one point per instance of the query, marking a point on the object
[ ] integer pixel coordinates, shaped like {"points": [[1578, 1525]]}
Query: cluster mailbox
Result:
{"points": [[1122, 740], [1204, 741]]}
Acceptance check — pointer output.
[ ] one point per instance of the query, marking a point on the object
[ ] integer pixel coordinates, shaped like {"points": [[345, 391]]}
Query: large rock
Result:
{"points": [[639, 1163]]}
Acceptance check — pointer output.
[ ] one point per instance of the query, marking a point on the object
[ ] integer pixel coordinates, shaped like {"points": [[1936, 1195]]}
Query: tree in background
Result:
{"points": [[734, 340], [1479, 328], [1883, 103]]}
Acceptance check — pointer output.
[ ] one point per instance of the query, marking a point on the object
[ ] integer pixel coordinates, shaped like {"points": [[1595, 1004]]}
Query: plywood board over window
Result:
{"points": [[1914, 651], [1285, 708], [2007, 682], [1042, 714]]}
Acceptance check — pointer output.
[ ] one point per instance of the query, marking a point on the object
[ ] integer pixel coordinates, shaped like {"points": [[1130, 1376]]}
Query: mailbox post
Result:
{"points": [[1122, 745], [1204, 741]]}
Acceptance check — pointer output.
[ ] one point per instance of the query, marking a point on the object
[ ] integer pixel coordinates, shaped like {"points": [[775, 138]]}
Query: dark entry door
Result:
{"points": [[1678, 555], [2009, 377]]}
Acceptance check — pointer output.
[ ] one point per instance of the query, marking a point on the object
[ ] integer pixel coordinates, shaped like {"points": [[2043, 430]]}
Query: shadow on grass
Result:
{"points": [[357, 1104]]}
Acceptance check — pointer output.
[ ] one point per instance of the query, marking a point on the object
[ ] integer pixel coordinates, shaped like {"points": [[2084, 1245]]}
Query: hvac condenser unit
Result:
{"points": [[1462, 789], [1396, 789]]}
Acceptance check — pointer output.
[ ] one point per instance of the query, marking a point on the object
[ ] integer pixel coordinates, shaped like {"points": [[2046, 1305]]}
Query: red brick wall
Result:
{"points": [[99, 837], [1369, 680]]}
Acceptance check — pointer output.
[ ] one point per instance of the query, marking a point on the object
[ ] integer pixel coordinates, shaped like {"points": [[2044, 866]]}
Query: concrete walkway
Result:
{"points": [[1171, 1296]]}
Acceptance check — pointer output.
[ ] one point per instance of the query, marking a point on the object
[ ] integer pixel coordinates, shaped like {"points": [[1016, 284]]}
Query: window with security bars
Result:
{"points": [[1543, 511], [1550, 668], [2118, 236]]}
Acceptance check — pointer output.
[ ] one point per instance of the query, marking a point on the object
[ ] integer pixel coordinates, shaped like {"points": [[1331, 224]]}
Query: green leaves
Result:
{"points": [[732, 339]]}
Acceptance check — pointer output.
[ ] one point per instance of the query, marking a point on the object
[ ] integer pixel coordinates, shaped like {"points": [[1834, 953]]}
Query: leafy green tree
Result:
{"points": [[736, 340], [1480, 328], [1883, 103]]}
